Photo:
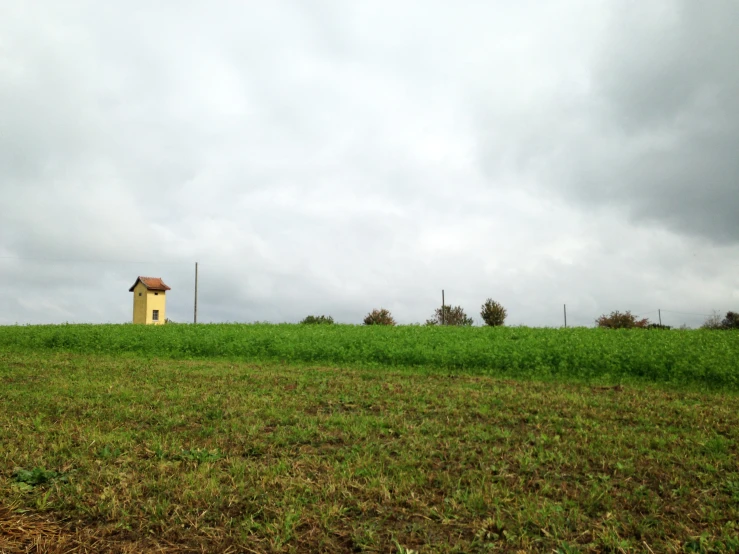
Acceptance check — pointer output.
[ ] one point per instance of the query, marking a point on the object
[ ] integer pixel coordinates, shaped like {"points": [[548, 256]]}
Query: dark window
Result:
{"points": [[155, 315], [156, 294], [139, 294]]}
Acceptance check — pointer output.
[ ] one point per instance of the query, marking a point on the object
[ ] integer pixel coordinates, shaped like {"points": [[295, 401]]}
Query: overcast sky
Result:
{"points": [[330, 157]]}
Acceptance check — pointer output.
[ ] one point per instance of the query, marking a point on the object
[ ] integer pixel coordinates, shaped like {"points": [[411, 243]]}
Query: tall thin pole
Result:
{"points": [[659, 313], [443, 322], [195, 315], [565, 315]]}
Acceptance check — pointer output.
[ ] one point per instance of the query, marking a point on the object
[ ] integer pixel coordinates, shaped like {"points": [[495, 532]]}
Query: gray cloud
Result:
{"points": [[672, 90], [654, 127], [333, 157]]}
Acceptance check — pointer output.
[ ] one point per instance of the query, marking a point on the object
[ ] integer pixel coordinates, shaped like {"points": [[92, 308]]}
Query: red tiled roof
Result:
{"points": [[151, 283]]}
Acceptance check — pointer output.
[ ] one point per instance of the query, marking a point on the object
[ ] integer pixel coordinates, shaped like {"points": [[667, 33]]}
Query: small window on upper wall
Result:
{"points": [[155, 315], [139, 294], [156, 294]]}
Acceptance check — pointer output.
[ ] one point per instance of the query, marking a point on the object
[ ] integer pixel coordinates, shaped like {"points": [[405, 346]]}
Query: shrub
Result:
{"points": [[618, 320], [318, 320], [731, 321], [658, 326], [493, 313], [379, 317], [451, 316], [713, 322]]}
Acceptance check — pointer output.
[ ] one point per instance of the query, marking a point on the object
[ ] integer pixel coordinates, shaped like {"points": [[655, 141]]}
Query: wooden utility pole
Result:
{"points": [[659, 313], [443, 317], [565, 316], [195, 314]]}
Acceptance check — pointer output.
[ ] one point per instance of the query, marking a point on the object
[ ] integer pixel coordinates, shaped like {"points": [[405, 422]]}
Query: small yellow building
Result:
{"points": [[149, 300]]}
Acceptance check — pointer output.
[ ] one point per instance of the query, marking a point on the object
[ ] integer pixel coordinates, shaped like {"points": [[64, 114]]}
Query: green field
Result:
{"points": [[704, 359], [286, 438]]}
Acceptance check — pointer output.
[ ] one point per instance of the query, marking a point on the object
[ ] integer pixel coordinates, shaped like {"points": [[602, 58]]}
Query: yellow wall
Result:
{"points": [[139, 303], [155, 301], [145, 301]]}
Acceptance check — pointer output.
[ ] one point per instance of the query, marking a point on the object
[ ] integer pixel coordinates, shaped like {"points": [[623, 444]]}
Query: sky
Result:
{"points": [[332, 157]]}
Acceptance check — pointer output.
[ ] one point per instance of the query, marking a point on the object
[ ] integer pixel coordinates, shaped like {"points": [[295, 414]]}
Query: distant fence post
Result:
{"points": [[442, 307], [195, 309]]}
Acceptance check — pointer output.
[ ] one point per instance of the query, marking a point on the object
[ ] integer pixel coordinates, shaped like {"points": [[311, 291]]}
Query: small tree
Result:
{"points": [[318, 320], [713, 322], [450, 316], [618, 320], [731, 321], [379, 317], [493, 313]]}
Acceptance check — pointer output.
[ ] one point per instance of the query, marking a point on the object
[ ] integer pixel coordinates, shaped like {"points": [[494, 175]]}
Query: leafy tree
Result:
{"points": [[318, 320], [450, 316], [493, 313], [731, 321], [618, 320], [379, 317]]}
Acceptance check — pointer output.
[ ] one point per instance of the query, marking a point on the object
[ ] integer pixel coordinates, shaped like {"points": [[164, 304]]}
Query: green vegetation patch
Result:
{"points": [[124, 454], [700, 358]]}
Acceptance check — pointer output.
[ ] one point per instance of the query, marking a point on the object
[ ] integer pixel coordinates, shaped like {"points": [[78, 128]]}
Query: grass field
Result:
{"points": [[702, 359], [136, 452]]}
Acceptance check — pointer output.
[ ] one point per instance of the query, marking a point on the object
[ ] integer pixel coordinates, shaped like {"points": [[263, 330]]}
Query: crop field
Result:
{"points": [[285, 438], [704, 359]]}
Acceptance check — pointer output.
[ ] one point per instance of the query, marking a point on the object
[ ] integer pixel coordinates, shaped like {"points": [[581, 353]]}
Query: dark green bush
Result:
{"points": [[731, 321], [318, 320]]}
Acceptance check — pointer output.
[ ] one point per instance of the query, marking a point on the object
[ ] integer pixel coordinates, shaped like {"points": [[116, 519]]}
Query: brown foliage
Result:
{"points": [[379, 317], [625, 320], [493, 313], [450, 316]]}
